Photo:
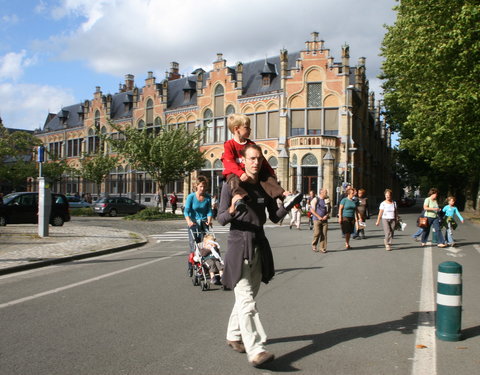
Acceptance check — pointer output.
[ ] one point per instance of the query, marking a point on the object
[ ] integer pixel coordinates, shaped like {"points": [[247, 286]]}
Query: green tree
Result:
{"points": [[16, 164], [54, 169], [432, 78], [96, 167], [166, 155]]}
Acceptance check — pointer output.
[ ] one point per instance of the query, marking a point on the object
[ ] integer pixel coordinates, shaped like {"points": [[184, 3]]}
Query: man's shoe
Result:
{"points": [[262, 358], [236, 345], [292, 200], [240, 206]]}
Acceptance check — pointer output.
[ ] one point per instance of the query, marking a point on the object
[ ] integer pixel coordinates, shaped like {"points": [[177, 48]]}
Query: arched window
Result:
{"points": [[273, 161], [207, 165], [141, 124], [309, 159], [293, 162], [97, 119], [219, 113], [230, 110], [218, 164], [149, 112], [208, 124]]}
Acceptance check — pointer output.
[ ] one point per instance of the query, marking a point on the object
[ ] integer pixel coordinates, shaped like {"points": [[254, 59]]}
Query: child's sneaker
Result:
{"points": [[292, 200]]}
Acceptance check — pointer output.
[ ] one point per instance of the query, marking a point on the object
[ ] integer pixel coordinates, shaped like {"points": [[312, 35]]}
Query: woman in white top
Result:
{"points": [[388, 215]]}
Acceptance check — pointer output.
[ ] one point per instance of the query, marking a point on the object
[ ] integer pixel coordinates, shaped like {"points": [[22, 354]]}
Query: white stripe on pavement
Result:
{"points": [[425, 358], [70, 286], [477, 247]]}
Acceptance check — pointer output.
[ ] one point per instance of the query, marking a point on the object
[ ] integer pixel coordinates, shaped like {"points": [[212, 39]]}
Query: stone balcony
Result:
{"points": [[313, 141]]}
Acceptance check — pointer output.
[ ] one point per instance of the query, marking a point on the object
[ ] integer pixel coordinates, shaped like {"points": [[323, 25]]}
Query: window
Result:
{"points": [[73, 147], [141, 124], [261, 125], [149, 112], [266, 80], [297, 123], [273, 125], [331, 121], [314, 122], [208, 123], [314, 94], [220, 130], [219, 101], [97, 120]]}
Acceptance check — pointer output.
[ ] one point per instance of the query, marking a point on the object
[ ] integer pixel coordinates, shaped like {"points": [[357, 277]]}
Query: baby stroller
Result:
{"points": [[201, 261]]}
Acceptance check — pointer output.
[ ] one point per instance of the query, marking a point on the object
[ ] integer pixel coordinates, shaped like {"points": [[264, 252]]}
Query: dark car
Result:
{"points": [[76, 202], [22, 208], [114, 206]]}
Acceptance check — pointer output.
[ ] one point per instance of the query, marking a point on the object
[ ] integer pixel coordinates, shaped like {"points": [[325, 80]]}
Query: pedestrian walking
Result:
{"points": [[388, 215], [320, 209], [173, 202], [214, 206], [450, 224], [430, 206], [296, 214], [157, 200], [363, 214], [248, 260], [165, 202], [311, 196], [348, 215]]}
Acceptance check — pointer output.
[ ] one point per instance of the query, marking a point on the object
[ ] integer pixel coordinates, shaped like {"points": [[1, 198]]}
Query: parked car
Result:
{"points": [[22, 208], [76, 202], [114, 206]]}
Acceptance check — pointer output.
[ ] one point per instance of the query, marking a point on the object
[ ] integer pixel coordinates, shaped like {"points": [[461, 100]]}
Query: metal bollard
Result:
{"points": [[449, 301]]}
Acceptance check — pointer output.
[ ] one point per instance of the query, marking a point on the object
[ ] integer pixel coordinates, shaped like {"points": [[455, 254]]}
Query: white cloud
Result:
{"points": [[12, 65], [10, 19], [134, 36], [26, 106]]}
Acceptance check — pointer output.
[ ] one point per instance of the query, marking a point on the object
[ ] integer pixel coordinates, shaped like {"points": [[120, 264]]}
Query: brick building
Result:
{"points": [[313, 116]]}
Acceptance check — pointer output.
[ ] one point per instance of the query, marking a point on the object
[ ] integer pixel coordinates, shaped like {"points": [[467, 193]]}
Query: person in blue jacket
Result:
{"points": [[449, 220]]}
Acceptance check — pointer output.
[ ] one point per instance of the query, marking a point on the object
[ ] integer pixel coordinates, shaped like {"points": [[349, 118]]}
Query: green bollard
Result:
{"points": [[449, 301]]}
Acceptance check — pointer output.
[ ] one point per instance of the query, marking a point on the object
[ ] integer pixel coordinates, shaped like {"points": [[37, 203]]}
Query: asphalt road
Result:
{"points": [[136, 312]]}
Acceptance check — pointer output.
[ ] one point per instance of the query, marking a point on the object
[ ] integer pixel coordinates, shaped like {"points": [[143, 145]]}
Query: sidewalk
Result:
{"points": [[21, 248]]}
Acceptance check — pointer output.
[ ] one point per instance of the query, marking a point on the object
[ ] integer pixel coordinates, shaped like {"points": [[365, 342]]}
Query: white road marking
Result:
{"points": [[477, 247], [425, 358], [88, 281]]}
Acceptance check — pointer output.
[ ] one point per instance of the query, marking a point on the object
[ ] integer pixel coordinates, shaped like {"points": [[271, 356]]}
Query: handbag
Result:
{"points": [[422, 222]]}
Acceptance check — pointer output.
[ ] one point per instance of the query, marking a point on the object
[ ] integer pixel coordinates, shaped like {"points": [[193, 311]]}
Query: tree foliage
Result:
{"points": [[432, 78], [96, 167], [16, 164], [166, 155]]}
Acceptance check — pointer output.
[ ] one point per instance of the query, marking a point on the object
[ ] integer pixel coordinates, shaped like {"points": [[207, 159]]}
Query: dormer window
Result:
{"points": [[269, 72]]}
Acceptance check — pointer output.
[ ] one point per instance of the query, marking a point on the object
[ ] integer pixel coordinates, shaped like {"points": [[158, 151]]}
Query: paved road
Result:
{"points": [[344, 312]]}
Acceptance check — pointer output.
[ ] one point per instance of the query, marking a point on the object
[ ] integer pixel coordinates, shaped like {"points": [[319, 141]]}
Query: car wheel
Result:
{"points": [[3, 221], [57, 221], [113, 212]]}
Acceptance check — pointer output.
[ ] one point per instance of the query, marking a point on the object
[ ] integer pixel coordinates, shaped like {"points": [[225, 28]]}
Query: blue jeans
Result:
{"points": [[433, 222], [418, 233], [449, 234]]}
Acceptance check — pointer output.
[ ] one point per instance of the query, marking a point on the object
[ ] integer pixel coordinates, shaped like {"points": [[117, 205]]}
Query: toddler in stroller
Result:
{"points": [[211, 258]]}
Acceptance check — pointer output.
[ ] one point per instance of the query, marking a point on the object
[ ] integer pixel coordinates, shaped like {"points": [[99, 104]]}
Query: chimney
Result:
{"points": [[129, 82], [346, 57], [150, 80], [174, 69], [283, 63]]}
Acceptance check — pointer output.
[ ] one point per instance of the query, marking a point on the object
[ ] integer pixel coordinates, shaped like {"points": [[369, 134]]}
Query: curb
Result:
{"points": [[53, 261]]}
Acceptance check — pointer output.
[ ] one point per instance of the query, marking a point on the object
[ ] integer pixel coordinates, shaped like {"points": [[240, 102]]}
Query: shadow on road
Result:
{"points": [[325, 340]]}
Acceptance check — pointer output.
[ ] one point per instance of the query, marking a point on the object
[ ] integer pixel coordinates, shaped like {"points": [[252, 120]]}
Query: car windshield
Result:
{"points": [[8, 198], [102, 200]]}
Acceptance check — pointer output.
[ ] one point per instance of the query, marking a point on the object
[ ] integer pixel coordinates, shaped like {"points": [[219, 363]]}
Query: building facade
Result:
{"points": [[314, 118]]}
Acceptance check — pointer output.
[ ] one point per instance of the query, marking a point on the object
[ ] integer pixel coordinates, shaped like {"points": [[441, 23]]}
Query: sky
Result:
{"points": [[54, 53]]}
